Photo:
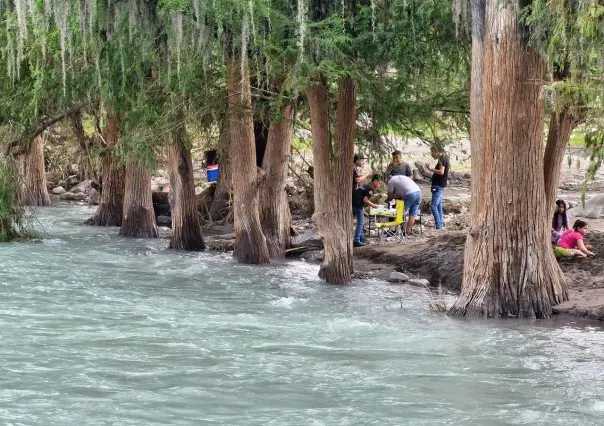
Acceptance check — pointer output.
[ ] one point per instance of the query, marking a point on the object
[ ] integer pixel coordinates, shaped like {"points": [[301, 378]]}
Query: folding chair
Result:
{"points": [[394, 230]]}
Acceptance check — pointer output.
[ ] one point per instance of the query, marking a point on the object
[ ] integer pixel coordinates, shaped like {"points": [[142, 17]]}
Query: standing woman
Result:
{"points": [[559, 221]]}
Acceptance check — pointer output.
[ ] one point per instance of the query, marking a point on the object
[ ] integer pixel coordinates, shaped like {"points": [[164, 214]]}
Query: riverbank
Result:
{"points": [[438, 258]]}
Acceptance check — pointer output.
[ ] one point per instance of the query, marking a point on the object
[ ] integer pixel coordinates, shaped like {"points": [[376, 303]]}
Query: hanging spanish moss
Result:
{"points": [[301, 20], [462, 14], [179, 39], [61, 12], [245, 34], [373, 21]]}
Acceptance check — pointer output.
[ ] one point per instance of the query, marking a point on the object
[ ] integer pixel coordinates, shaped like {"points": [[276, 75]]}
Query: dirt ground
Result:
{"points": [[438, 257]]}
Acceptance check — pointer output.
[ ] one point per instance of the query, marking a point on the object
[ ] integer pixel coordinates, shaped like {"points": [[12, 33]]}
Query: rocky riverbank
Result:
{"points": [[438, 258]]}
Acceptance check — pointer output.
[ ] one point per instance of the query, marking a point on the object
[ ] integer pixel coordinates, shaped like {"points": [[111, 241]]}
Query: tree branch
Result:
{"points": [[45, 124]]}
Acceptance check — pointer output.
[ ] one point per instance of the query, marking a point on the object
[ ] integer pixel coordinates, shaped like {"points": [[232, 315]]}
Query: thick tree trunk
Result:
{"points": [[275, 216], [561, 125], [33, 188], [333, 191], [250, 243], [509, 268], [111, 204], [219, 209], [186, 223], [139, 217]]}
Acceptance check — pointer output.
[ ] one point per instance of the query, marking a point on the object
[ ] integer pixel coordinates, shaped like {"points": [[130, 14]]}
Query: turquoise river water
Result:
{"points": [[100, 330]]}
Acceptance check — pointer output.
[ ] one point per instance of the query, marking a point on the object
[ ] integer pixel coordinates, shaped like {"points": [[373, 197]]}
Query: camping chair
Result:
{"points": [[394, 230]]}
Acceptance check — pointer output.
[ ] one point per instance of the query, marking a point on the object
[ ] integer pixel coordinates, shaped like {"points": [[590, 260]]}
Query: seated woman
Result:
{"points": [[559, 221], [571, 242]]}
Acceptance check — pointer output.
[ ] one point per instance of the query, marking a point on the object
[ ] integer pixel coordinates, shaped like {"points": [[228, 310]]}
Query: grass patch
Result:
{"points": [[302, 144], [577, 140]]}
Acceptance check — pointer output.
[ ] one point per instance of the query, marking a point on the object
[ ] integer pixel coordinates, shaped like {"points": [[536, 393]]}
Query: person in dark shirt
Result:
{"points": [[398, 166], [439, 183], [357, 178], [360, 198]]}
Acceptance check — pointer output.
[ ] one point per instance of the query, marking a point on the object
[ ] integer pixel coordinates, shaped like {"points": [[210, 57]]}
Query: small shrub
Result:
{"points": [[14, 219]]}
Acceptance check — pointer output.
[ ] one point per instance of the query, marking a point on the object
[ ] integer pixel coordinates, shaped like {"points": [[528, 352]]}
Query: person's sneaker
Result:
{"points": [[358, 244]]}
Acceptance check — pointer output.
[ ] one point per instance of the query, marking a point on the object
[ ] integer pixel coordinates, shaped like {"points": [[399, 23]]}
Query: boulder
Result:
{"points": [[594, 208], [67, 196], [80, 196], [423, 170], [94, 197], [398, 277], [59, 190], [310, 238], [417, 176], [418, 282], [73, 180], [83, 187], [220, 245], [312, 256], [163, 220], [62, 183]]}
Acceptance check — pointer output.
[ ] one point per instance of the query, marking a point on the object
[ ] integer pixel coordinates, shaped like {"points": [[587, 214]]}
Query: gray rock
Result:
{"points": [[419, 282], [313, 256], [594, 208], [62, 183], [164, 220], [73, 180], [84, 187], [398, 277], [94, 197], [67, 196], [310, 238], [58, 190], [417, 176], [80, 196]]}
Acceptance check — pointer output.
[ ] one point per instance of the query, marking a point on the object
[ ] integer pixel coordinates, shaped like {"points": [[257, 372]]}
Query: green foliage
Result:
{"points": [[161, 63]]}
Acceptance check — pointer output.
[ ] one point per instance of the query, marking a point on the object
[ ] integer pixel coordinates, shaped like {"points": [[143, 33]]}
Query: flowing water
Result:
{"points": [[99, 330]]}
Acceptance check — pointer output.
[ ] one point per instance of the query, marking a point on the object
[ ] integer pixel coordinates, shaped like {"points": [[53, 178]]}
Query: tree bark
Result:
{"points": [[561, 125], [250, 243], [111, 204], [333, 191], [275, 216], [139, 217], [509, 265], [33, 187], [219, 209], [186, 223]]}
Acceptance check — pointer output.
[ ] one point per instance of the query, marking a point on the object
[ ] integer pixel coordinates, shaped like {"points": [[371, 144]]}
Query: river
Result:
{"points": [[100, 330]]}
